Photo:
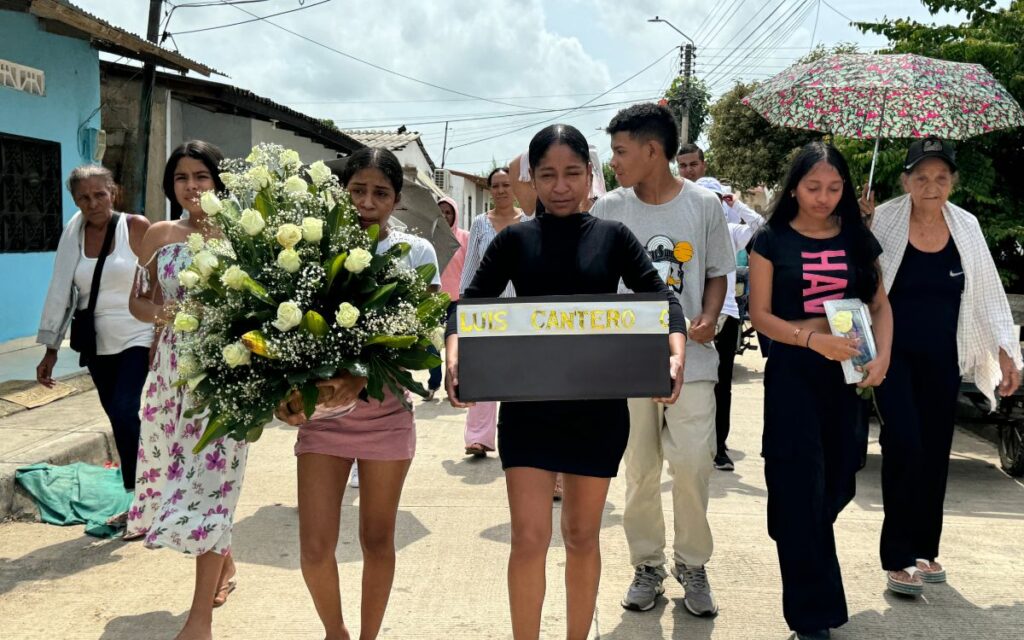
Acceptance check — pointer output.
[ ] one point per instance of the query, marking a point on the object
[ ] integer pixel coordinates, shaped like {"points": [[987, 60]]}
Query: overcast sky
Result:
{"points": [[529, 54]]}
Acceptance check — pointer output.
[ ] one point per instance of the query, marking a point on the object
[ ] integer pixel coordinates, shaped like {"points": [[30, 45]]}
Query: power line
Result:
{"points": [[814, 34], [714, 33], [759, 40], [256, 19], [538, 97], [839, 12], [662, 57], [377, 66]]}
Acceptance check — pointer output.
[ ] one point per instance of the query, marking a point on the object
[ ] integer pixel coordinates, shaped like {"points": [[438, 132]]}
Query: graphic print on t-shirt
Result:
{"points": [[668, 258], [821, 283]]}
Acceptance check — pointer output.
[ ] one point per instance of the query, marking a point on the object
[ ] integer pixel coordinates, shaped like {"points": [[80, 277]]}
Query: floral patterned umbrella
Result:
{"points": [[887, 96]]}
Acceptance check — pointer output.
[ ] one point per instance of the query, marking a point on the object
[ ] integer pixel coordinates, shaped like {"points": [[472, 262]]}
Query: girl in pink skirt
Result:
{"points": [[381, 436]]}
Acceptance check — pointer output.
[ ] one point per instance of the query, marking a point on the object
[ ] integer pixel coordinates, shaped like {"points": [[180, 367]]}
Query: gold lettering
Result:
{"points": [[663, 318], [533, 319], [628, 319], [613, 319], [501, 321], [581, 317], [568, 320], [553, 321], [464, 326], [595, 320]]}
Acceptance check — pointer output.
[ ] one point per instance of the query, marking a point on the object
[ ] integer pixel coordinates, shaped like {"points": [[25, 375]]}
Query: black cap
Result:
{"points": [[930, 147]]}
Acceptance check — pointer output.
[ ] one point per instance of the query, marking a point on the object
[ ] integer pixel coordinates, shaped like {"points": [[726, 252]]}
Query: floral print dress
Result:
{"points": [[182, 501]]}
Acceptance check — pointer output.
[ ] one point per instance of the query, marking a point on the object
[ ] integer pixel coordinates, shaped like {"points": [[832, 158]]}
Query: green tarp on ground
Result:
{"points": [[77, 493]]}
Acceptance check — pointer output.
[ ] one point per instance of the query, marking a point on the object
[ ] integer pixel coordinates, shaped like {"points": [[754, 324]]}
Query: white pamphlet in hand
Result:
{"points": [[850, 319]]}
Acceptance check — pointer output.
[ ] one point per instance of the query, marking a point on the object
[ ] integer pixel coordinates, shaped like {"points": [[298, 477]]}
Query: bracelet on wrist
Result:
{"points": [[809, 334]]}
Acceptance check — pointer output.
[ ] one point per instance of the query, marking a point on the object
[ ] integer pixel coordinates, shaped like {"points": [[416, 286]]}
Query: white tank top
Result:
{"points": [[116, 328]]}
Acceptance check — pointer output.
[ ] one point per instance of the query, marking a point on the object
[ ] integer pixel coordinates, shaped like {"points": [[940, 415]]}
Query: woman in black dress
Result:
{"points": [[562, 252]]}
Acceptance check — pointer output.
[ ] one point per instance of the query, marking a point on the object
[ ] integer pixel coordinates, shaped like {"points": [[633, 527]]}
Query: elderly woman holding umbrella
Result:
{"points": [[951, 318]]}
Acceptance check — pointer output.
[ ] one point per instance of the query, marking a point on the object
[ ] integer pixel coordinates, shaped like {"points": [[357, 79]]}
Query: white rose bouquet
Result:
{"points": [[295, 294]]}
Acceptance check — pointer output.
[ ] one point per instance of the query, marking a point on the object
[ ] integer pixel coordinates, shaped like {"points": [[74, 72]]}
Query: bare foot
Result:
{"points": [[226, 583], [195, 631]]}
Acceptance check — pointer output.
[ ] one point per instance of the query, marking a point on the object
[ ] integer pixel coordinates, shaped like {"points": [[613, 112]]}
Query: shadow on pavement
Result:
{"points": [[270, 536], [158, 624], [430, 409], [647, 624], [943, 612], [58, 561], [475, 471]]}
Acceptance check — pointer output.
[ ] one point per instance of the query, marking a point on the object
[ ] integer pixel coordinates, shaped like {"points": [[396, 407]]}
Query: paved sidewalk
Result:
{"points": [[453, 537]]}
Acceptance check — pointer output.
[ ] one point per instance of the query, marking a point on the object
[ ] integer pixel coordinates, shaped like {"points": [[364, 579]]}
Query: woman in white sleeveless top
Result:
{"points": [[122, 343]]}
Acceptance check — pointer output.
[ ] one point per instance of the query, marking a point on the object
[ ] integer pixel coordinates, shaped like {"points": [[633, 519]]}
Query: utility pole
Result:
{"points": [[141, 155], [686, 56], [444, 145]]}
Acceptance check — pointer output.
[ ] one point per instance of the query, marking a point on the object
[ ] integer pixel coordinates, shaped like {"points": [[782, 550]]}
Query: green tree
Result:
{"points": [[610, 181], [700, 97], [990, 165], [744, 147]]}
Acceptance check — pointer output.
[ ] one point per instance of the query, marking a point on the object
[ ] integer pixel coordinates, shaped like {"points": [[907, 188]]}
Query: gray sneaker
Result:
{"points": [[643, 593], [699, 599]]}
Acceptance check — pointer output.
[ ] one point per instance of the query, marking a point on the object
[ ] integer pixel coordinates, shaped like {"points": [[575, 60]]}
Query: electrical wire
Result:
{"points": [[756, 41], [256, 19], [377, 66], [777, 35], [528, 126], [538, 97]]}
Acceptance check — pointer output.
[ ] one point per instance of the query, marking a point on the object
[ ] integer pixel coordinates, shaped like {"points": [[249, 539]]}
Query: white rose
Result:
{"points": [[319, 172], [210, 203], [252, 222], [229, 179], [346, 316], [358, 260], [289, 159], [295, 184], [288, 235], [260, 175], [206, 262], [188, 366], [188, 279], [234, 277], [289, 260], [186, 322], [253, 156], [235, 354], [329, 201], [312, 229], [196, 242], [289, 315]]}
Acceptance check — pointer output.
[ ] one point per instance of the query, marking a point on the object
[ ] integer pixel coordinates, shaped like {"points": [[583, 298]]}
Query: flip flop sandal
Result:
{"points": [[476, 450], [222, 594], [928, 574], [120, 520], [904, 586]]}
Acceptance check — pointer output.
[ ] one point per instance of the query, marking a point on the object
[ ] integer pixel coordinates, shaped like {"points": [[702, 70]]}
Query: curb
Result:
{"points": [[82, 382]]}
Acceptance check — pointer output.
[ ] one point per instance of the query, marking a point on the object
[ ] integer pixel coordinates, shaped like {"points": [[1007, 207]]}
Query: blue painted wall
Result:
{"points": [[72, 100]]}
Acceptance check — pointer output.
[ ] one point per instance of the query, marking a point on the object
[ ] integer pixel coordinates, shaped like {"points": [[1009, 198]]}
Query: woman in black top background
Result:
{"points": [[562, 252], [815, 247]]}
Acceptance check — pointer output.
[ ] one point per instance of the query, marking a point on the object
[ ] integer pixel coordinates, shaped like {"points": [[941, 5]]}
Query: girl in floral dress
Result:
{"points": [[182, 501]]}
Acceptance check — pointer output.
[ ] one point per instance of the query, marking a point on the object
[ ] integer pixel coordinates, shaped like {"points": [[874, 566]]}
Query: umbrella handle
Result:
{"points": [[871, 175]]}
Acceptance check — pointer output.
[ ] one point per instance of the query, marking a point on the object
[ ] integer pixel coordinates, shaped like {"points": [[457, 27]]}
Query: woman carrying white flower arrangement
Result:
{"points": [[183, 501], [380, 435]]}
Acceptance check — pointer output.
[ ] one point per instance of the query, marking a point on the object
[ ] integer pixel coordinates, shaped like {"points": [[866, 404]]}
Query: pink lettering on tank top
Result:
{"points": [[820, 285]]}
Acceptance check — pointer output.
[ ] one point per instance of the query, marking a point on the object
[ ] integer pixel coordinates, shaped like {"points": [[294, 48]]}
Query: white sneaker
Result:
{"points": [[353, 479]]}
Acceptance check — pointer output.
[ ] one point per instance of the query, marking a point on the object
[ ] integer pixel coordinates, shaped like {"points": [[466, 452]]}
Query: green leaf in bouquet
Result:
{"points": [[396, 390], [378, 263], [264, 204], [367, 284], [354, 367], [417, 360], [374, 232], [392, 342], [375, 380], [257, 290], [315, 324], [379, 298], [333, 266], [256, 342], [217, 427], [253, 434], [399, 250], [427, 272], [310, 394], [229, 210], [404, 378], [432, 306]]}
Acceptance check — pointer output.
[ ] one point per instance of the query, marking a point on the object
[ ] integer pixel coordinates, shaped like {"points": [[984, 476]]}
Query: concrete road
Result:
{"points": [[453, 539]]}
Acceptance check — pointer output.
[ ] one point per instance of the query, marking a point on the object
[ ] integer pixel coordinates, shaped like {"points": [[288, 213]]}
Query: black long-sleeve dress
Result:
{"points": [[551, 255]]}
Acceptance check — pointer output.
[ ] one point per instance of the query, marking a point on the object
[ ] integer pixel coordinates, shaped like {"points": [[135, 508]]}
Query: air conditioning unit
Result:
{"points": [[443, 180]]}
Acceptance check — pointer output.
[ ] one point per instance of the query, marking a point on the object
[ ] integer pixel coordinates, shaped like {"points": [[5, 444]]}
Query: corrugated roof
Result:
{"points": [[378, 139], [390, 140], [63, 18]]}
